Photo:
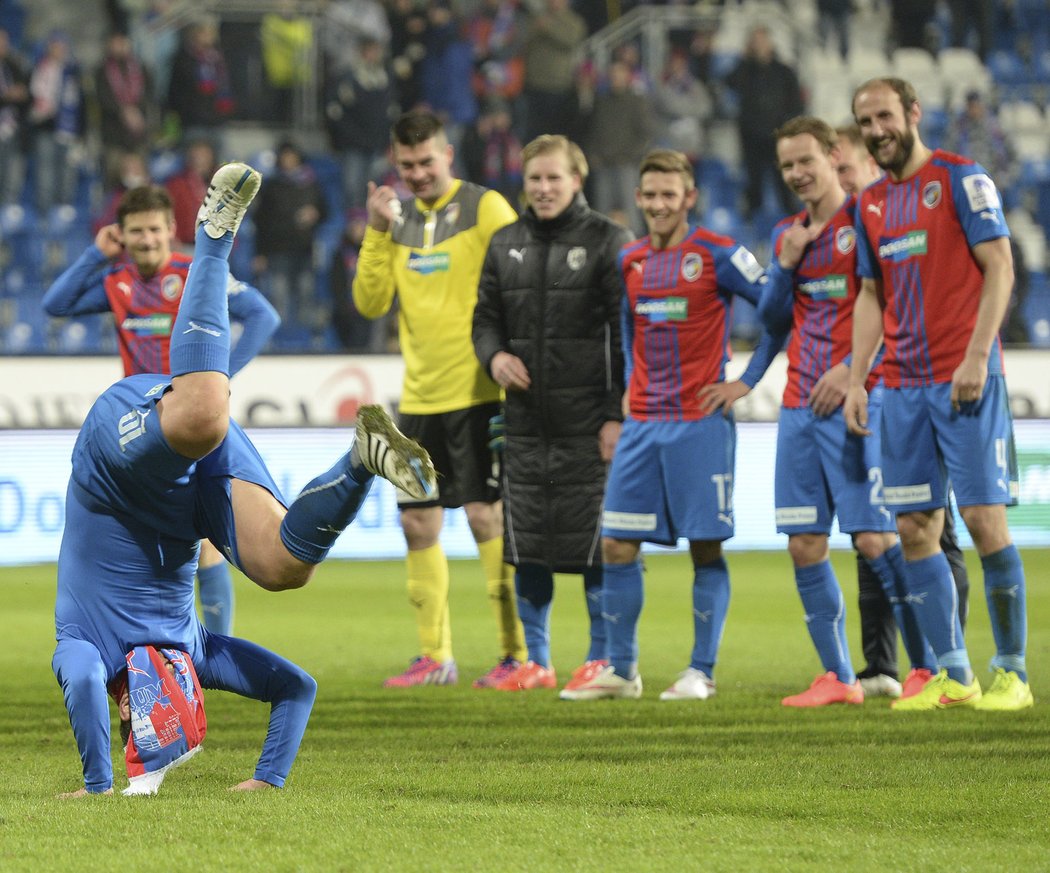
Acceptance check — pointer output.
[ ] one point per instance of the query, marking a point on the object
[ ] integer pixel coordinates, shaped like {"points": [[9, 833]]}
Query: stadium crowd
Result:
{"points": [[164, 97]]}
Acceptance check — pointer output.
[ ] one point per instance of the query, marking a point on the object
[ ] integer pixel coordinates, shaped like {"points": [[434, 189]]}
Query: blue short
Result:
{"points": [[135, 511], [823, 471], [927, 446], [672, 479]]}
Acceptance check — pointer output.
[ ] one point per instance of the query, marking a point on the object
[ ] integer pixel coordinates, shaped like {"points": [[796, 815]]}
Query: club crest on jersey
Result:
{"points": [[576, 258], [452, 213], [692, 267], [845, 240], [171, 287], [931, 195]]}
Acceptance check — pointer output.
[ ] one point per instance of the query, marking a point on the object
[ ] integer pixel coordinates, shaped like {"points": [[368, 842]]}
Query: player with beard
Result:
{"points": [[934, 256], [878, 627]]}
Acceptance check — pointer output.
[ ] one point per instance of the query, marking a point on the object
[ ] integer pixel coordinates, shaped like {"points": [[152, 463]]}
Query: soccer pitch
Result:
{"points": [[451, 779]]}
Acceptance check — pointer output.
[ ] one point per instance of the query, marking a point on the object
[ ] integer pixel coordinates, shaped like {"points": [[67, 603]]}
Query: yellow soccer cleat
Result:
{"points": [[940, 692], [1008, 693]]}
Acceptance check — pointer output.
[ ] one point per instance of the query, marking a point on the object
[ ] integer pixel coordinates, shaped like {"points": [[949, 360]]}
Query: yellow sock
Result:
{"points": [[499, 581], [428, 593]]}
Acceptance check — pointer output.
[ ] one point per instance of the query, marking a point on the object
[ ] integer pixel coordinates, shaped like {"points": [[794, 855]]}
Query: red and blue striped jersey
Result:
{"points": [[676, 320], [916, 235], [817, 300]]}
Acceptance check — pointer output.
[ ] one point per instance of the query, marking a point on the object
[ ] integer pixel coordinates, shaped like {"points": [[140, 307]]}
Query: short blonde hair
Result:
{"points": [[547, 143]]}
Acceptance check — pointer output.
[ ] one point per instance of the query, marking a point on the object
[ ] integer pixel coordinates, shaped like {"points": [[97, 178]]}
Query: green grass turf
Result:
{"points": [[450, 779]]}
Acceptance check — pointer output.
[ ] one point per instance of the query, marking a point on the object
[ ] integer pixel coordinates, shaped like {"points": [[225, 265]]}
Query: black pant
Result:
{"points": [[878, 627]]}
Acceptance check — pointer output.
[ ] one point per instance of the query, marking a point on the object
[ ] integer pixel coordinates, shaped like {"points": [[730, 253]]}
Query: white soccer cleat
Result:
{"points": [[880, 685], [691, 684], [231, 190], [603, 685], [387, 452]]}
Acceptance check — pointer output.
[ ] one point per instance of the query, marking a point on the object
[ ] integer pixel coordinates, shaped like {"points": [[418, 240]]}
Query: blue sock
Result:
{"points": [[216, 592], [1004, 589], [324, 509], [826, 618], [889, 567], [622, 598], [200, 337], [933, 596], [592, 591], [710, 605], [535, 588]]}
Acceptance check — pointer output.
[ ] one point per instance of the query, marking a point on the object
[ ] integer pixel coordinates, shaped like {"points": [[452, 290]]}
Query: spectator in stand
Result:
{"points": [[910, 23], [497, 32], [346, 24], [976, 16], [199, 89], [56, 118], [834, 17], [447, 72], [14, 99], [125, 102], [357, 107], [976, 133], [287, 43], [155, 45], [130, 171], [552, 35], [769, 94], [684, 105], [492, 152], [620, 128], [188, 187], [408, 23], [355, 332], [290, 206]]}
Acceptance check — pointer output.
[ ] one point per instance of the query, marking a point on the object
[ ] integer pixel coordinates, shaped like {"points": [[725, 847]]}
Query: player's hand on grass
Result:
{"points": [[829, 392], [109, 240], [721, 395], [855, 410]]}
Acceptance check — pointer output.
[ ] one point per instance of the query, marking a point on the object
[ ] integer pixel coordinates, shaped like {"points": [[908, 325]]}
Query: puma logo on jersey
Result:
{"points": [[518, 255], [873, 207]]}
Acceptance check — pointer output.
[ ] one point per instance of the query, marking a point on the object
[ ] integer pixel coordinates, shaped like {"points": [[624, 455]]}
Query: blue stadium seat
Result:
{"points": [[163, 164], [1037, 310]]}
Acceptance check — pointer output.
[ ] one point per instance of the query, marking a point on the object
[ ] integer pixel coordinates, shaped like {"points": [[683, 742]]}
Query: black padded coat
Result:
{"points": [[550, 293]]}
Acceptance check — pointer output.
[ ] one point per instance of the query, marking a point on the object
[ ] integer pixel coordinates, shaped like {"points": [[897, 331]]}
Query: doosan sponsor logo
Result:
{"points": [[904, 247], [834, 286], [668, 309], [437, 262], [156, 325]]}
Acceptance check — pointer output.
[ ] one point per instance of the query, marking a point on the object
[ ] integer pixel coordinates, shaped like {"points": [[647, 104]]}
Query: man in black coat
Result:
{"points": [[547, 328]]}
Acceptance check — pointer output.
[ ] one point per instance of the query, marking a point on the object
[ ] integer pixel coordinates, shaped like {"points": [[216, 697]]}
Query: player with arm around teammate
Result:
{"points": [[672, 474], [158, 465], [822, 471], [934, 256], [132, 272]]}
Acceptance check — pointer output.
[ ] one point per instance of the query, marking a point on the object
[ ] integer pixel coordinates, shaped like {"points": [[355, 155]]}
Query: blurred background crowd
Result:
{"points": [[98, 96]]}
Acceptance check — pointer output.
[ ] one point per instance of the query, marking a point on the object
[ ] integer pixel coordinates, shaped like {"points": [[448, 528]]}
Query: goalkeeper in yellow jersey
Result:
{"points": [[428, 250]]}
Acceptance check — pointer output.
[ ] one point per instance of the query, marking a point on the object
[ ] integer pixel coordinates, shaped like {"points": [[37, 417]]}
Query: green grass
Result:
{"points": [[451, 779]]}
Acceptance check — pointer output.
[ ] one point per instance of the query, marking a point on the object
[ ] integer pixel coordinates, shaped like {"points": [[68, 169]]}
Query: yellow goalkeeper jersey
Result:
{"points": [[431, 258]]}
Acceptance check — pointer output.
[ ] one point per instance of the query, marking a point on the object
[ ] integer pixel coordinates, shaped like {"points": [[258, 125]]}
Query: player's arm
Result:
{"points": [[867, 338], [613, 295], [257, 317], [777, 301], [81, 289], [626, 336], [996, 263], [488, 331], [373, 287]]}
